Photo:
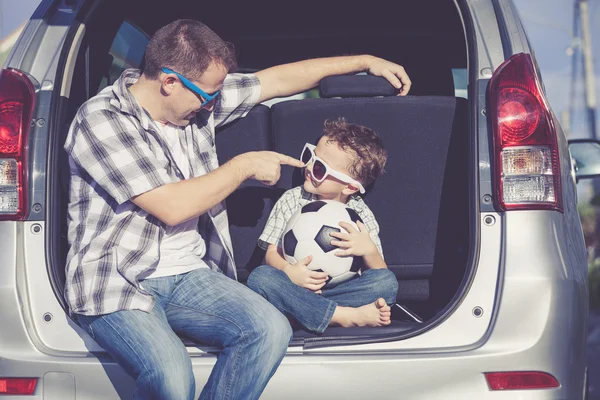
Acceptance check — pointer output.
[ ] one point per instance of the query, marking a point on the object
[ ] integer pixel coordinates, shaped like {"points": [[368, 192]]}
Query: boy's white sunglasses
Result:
{"points": [[320, 169]]}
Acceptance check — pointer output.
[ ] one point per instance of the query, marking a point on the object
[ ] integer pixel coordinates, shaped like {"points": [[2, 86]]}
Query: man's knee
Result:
{"points": [[281, 332], [273, 328], [171, 379]]}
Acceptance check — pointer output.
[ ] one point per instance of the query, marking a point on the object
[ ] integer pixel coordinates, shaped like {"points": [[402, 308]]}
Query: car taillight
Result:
{"points": [[519, 380], [17, 98], [525, 146], [17, 385]]}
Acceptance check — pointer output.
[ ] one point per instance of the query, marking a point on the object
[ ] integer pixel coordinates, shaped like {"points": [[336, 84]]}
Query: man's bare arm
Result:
{"points": [[288, 79], [177, 202]]}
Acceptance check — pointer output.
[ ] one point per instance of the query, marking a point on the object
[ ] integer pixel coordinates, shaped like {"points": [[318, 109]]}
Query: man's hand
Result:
{"points": [[265, 166], [304, 277], [355, 242], [288, 79], [394, 73]]}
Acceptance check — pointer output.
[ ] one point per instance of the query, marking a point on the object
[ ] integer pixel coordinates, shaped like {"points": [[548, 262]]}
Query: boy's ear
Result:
{"points": [[350, 189]]}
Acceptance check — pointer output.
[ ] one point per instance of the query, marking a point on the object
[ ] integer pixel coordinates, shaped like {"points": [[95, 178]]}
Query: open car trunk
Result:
{"points": [[422, 202]]}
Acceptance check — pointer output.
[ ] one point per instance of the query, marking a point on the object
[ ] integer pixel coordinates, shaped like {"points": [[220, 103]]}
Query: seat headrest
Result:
{"points": [[436, 80], [355, 86]]}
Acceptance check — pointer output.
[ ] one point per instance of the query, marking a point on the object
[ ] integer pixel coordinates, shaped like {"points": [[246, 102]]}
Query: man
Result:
{"points": [[150, 248]]}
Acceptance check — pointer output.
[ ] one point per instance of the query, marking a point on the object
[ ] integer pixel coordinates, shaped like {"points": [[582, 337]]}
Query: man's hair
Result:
{"points": [[188, 47], [368, 154]]}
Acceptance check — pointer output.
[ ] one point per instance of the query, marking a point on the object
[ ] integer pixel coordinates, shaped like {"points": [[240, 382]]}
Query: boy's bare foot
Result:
{"points": [[374, 314]]}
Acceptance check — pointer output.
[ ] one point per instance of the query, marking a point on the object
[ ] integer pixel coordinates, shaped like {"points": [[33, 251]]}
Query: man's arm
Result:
{"points": [[177, 202], [288, 79]]}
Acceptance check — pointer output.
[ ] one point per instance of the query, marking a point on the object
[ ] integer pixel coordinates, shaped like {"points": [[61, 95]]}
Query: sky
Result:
{"points": [[14, 13], [548, 24]]}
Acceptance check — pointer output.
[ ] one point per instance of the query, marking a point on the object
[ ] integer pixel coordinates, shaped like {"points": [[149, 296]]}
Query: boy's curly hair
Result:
{"points": [[369, 155]]}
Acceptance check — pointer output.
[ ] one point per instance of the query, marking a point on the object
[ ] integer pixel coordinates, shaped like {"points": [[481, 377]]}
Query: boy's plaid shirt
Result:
{"points": [[115, 153], [294, 199]]}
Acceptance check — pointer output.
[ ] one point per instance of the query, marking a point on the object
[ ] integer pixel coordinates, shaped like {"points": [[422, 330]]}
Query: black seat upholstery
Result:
{"points": [[249, 206], [407, 199]]}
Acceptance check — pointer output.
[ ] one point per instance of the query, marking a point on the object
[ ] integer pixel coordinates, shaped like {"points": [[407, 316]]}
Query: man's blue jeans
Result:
{"points": [[314, 311], [206, 306]]}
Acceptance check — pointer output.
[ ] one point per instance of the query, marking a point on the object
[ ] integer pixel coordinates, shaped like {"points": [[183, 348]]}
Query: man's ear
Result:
{"points": [[168, 84]]}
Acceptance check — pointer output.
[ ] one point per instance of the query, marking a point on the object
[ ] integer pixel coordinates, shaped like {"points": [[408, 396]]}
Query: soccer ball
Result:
{"points": [[307, 234]]}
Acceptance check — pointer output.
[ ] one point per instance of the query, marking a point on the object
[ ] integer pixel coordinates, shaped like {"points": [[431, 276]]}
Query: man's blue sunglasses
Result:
{"points": [[207, 97]]}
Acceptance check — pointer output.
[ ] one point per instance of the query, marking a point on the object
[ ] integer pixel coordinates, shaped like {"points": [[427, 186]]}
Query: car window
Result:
{"points": [[460, 82], [127, 51]]}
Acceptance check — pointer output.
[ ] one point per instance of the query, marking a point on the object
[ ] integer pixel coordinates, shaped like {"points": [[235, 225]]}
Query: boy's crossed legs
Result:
{"points": [[358, 302]]}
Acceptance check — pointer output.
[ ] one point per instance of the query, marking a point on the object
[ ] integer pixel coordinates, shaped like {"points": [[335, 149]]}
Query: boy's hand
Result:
{"points": [[304, 277], [355, 242]]}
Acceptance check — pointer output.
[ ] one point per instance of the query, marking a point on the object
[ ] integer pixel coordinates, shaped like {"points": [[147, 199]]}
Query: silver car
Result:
{"points": [[477, 207]]}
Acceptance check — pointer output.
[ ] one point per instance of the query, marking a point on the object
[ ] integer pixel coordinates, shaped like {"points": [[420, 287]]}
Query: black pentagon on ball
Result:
{"points": [[324, 240], [289, 243], [313, 206], [357, 264], [353, 215]]}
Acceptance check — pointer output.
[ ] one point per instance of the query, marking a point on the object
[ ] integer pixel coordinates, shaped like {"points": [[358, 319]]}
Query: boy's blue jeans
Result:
{"points": [[314, 311], [207, 306]]}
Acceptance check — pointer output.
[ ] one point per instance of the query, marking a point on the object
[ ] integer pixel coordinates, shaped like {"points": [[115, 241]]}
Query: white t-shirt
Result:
{"points": [[182, 248]]}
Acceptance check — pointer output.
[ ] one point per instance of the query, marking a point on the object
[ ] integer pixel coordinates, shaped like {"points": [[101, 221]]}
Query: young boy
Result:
{"points": [[355, 155]]}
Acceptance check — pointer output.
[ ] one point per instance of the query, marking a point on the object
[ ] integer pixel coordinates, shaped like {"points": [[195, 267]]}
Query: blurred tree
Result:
{"points": [[588, 214]]}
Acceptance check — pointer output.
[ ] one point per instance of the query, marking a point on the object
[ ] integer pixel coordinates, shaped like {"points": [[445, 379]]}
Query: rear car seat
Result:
{"points": [[249, 207], [408, 198]]}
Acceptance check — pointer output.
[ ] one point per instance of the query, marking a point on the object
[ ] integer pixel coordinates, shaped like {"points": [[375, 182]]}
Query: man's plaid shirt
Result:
{"points": [[294, 199], [115, 153]]}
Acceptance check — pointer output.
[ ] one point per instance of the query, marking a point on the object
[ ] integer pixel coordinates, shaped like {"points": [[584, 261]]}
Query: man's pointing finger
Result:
{"points": [[287, 160]]}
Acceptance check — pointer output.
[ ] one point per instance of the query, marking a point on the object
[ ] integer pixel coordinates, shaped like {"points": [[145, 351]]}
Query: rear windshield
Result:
{"points": [[426, 37]]}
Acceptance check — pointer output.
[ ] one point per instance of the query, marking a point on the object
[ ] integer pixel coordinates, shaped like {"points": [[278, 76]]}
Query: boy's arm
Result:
{"points": [[270, 239], [374, 260], [274, 257], [358, 243], [299, 272]]}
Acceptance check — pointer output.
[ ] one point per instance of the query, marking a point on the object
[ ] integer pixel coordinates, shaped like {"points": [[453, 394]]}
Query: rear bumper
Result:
{"points": [[453, 375]]}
